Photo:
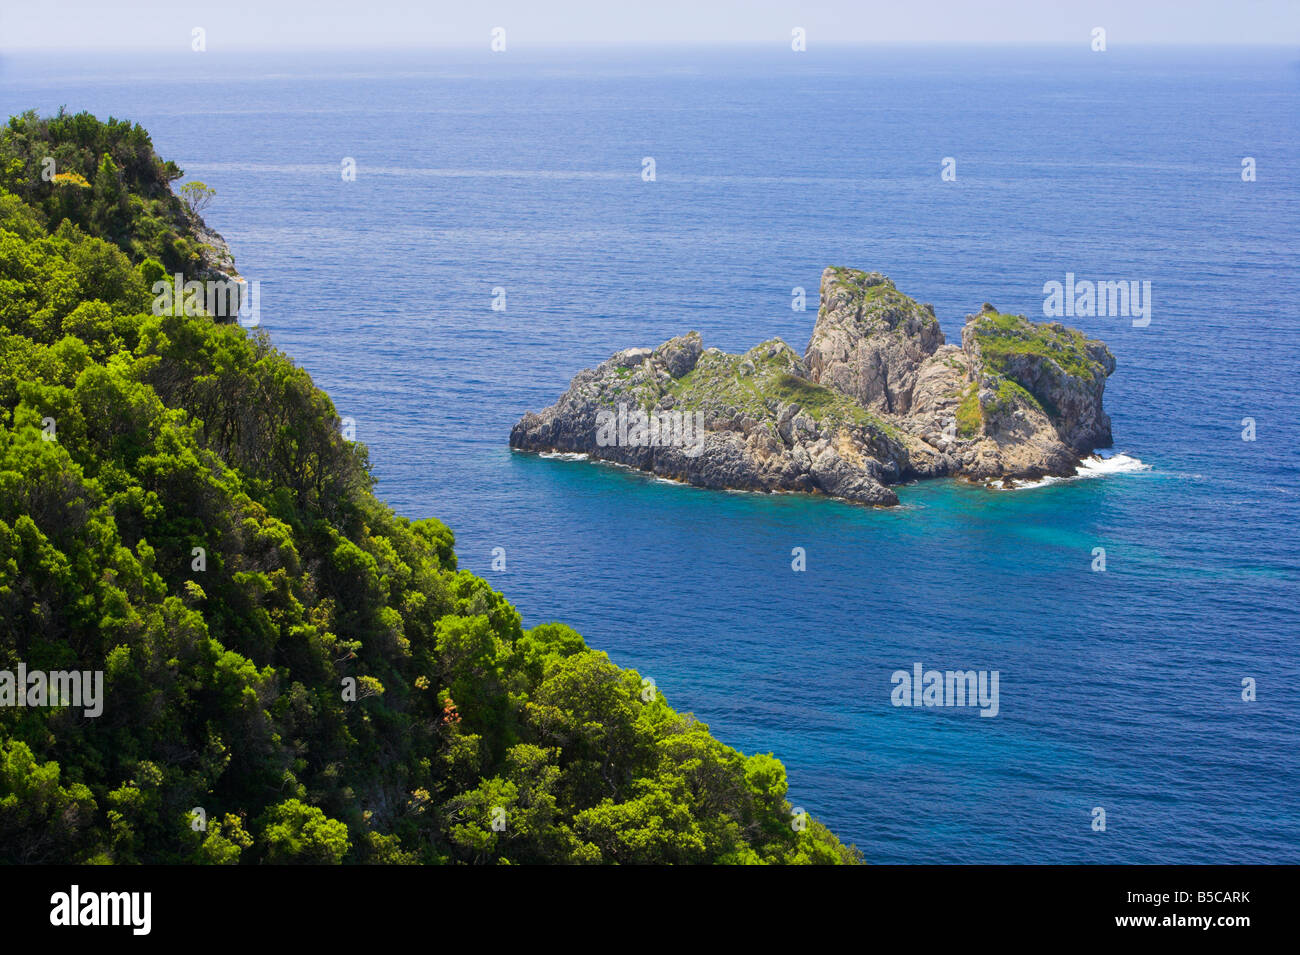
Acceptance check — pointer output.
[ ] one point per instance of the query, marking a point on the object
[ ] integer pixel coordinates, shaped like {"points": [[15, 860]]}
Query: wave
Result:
{"points": [[563, 455], [1096, 465]]}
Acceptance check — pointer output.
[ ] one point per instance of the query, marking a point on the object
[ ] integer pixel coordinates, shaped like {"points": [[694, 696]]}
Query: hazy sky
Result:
{"points": [[243, 24]]}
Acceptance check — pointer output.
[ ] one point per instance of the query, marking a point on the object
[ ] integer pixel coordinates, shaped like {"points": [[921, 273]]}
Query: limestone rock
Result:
{"points": [[870, 339], [877, 399]]}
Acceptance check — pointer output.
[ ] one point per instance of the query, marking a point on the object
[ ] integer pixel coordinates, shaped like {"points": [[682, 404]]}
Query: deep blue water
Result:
{"points": [[1119, 689]]}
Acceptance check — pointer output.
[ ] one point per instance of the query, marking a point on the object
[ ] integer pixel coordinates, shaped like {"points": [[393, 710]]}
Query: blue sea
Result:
{"points": [[1120, 690]]}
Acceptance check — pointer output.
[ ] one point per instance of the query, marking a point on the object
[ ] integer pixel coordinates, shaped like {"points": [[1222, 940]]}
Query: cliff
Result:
{"points": [[877, 398]]}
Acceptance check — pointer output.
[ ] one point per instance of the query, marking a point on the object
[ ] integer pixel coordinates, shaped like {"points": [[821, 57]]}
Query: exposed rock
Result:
{"points": [[680, 354], [216, 261], [751, 421], [1064, 372], [877, 399], [870, 339]]}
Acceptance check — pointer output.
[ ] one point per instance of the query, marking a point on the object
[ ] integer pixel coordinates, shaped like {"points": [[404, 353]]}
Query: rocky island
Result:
{"points": [[878, 398]]}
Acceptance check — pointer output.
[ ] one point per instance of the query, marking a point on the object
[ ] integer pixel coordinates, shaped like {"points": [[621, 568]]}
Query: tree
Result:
{"points": [[302, 834], [198, 196], [179, 510]]}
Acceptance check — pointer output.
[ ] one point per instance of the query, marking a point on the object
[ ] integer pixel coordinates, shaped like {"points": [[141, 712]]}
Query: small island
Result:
{"points": [[877, 399]]}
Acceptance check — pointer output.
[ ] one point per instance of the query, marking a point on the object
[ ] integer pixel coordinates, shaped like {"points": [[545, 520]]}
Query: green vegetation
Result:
{"points": [[1010, 396], [748, 383], [179, 510], [874, 295], [813, 398], [103, 178], [197, 195], [1003, 337], [970, 416], [1007, 397]]}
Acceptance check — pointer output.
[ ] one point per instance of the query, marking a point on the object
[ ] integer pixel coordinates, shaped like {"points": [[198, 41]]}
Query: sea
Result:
{"points": [[443, 238]]}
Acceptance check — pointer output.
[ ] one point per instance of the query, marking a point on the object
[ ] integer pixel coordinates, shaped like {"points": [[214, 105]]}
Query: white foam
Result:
{"points": [[563, 455], [1097, 465]]}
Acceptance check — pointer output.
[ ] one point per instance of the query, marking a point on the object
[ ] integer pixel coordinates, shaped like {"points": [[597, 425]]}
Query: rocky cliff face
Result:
{"points": [[216, 261], [870, 340], [878, 398], [1059, 368]]}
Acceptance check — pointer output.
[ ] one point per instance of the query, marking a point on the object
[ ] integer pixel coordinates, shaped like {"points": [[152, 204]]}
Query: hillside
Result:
{"points": [[179, 510]]}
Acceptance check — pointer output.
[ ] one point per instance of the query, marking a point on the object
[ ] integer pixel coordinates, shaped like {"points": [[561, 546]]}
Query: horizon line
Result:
{"points": [[782, 45]]}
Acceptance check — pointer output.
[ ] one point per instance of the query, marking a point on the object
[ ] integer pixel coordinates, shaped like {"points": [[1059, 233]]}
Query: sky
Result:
{"points": [[110, 25]]}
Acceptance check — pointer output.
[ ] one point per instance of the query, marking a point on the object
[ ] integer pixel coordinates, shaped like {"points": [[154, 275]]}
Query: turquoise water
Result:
{"points": [[1119, 689]]}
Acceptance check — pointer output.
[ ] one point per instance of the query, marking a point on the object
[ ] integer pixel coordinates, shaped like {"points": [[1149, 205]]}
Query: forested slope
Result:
{"points": [[179, 509]]}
